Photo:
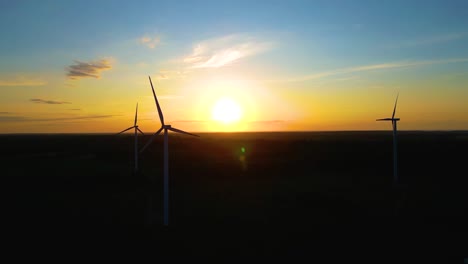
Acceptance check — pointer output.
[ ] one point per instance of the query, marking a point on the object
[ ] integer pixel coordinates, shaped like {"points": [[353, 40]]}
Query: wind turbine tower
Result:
{"points": [[135, 126], [166, 128], [395, 153]]}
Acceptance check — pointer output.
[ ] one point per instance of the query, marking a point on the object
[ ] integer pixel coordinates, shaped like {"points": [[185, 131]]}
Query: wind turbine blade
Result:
{"points": [[394, 109], [384, 119], [183, 132], [151, 139], [161, 117], [124, 130], [140, 131], [136, 114]]}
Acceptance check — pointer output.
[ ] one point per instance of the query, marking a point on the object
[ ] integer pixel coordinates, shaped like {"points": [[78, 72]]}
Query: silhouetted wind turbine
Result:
{"points": [[135, 126], [166, 153], [395, 154]]}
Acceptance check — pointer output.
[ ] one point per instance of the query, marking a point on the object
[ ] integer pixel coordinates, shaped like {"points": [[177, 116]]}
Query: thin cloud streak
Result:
{"points": [[75, 118], [41, 101], [383, 66], [28, 119], [168, 75], [430, 40], [12, 118], [150, 42], [219, 52], [91, 69], [22, 82]]}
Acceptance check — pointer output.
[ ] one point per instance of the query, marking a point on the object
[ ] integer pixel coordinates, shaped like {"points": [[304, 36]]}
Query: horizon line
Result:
{"points": [[239, 132]]}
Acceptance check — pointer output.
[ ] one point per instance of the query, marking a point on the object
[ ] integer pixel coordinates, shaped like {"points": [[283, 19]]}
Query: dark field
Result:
{"points": [[320, 197]]}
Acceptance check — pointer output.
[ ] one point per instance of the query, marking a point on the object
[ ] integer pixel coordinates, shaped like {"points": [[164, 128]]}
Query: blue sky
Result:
{"points": [[304, 46], [32, 28]]}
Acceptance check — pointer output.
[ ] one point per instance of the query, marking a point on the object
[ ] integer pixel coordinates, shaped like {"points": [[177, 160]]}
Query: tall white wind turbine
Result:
{"points": [[395, 153], [166, 154], [135, 126]]}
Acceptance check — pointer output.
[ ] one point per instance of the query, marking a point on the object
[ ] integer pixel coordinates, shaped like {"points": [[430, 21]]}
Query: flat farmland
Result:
{"points": [[267, 196]]}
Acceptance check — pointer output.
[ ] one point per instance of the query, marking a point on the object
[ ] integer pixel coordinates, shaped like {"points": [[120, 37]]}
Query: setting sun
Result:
{"points": [[226, 110]]}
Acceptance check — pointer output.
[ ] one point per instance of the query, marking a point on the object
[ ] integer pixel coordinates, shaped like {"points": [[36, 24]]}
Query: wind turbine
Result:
{"points": [[166, 153], [395, 154], [135, 126]]}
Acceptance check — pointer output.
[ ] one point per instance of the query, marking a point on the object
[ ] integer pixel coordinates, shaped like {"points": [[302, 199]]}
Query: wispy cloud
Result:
{"points": [[75, 109], [12, 118], [431, 40], [167, 74], [219, 52], [383, 66], [29, 119], [90, 69], [74, 118], [42, 101], [21, 81], [150, 42], [5, 113]]}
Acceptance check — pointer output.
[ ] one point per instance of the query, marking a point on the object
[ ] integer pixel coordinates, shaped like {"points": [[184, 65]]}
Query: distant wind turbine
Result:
{"points": [[395, 153], [135, 126], [166, 153]]}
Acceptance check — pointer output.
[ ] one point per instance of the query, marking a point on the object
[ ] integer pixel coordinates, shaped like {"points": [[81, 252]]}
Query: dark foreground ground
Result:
{"points": [[315, 197]]}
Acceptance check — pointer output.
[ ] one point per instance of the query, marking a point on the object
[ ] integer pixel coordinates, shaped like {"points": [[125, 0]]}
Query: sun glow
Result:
{"points": [[226, 111]]}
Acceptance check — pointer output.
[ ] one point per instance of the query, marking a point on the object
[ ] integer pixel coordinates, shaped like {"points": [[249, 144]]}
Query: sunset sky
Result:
{"points": [[81, 66]]}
